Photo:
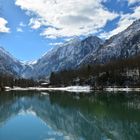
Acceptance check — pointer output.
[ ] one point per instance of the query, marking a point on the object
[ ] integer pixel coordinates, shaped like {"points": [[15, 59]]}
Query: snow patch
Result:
{"points": [[115, 89], [85, 89]]}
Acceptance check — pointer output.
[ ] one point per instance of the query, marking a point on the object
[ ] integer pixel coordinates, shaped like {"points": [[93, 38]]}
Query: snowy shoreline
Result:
{"points": [[86, 89], [117, 89]]}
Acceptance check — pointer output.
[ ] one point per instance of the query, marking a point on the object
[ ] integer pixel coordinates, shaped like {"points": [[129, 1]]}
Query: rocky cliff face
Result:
{"points": [[123, 45], [66, 56], [8, 64], [91, 50], [76, 53]]}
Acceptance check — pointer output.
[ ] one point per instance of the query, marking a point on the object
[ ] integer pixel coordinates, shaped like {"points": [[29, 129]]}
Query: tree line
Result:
{"points": [[122, 72], [10, 81]]}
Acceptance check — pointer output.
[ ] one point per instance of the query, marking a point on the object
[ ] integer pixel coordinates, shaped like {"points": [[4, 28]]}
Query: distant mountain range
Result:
{"points": [[121, 46], [9, 65], [76, 53]]}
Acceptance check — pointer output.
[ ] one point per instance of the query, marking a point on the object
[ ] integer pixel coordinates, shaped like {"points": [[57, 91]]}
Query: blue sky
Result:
{"points": [[29, 28]]}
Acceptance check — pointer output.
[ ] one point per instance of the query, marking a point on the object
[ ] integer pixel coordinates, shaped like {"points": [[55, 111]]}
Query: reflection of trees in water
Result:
{"points": [[89, 117]]}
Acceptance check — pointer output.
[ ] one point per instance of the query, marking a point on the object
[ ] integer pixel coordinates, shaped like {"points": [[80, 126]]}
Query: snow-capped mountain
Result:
{"points": [[120, 46], [91, 50], [75, 53], [66, 56], [8, 64]]}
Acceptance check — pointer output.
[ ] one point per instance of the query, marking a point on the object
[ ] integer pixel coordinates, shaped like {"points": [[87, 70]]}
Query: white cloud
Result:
{"points": [[125, 21], [3, 27], [130, 2], [35, 23], [66, 18], [19, 29], [21, 24]]}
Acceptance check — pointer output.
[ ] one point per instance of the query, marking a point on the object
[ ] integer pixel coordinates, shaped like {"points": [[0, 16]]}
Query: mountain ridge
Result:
{"points": [[76, 53]]}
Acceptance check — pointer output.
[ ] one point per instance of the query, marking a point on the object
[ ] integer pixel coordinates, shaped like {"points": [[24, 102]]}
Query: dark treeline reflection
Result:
{"points": [[98, 116]]}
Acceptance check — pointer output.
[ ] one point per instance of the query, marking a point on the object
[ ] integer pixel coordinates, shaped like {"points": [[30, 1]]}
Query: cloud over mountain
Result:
{"points": [[69, 18], [125, 21]]}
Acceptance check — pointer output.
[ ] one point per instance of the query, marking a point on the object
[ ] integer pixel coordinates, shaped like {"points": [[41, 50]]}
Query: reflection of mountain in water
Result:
{"points": [[91, 117]]}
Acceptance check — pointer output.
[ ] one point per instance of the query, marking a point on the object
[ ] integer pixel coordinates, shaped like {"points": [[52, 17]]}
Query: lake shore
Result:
{"points": [[78, 89], [85, 89], [117, 89]]}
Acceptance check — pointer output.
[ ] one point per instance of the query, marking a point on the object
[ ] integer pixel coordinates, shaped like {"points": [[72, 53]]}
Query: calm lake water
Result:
{"points": [[66, 116]]}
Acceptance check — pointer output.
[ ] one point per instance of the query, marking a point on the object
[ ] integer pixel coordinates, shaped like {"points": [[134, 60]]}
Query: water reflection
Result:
{"points": [[98, 116]]}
